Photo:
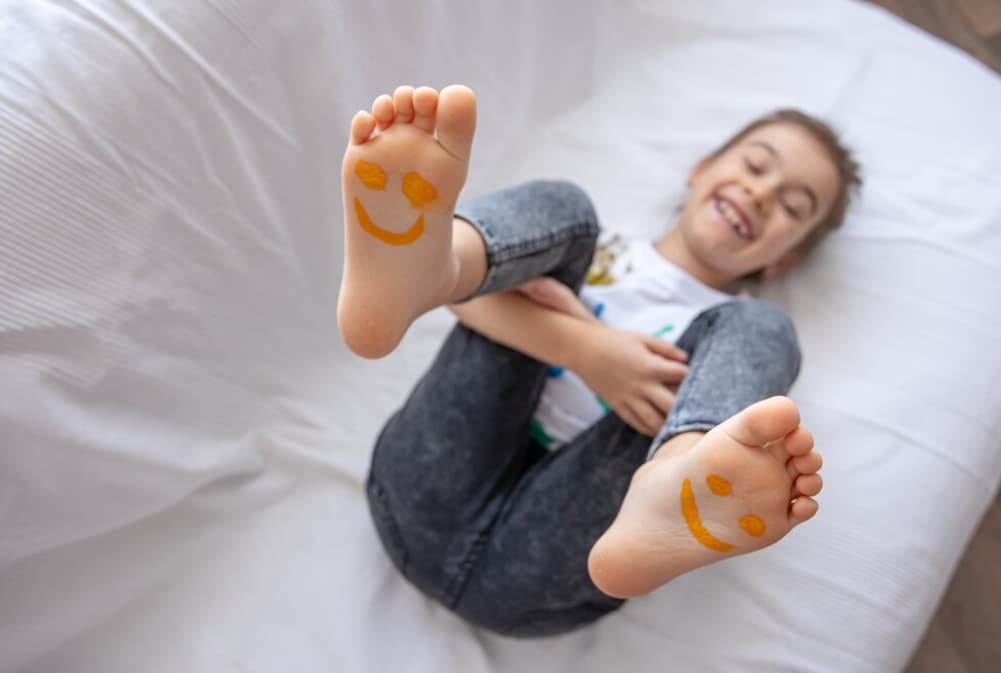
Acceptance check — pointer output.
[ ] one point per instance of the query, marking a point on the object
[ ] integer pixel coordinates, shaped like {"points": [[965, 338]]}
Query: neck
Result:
{"points": [[673, 248]]}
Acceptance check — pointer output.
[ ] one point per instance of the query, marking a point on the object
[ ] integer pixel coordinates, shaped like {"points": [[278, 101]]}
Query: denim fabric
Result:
{"points": [[476, 514], [739, 353]]}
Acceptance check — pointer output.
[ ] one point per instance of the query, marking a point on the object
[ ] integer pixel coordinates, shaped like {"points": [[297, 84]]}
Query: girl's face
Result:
{"points": [[751, 206]]}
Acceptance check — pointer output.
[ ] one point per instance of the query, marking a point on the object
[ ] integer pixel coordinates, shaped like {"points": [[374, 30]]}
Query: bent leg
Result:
{"points": [[740, 352], [445, 462], [737, 488], [532, 578]]}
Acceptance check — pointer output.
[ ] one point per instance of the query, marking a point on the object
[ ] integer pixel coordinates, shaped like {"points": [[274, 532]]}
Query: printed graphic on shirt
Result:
{"points": [[600, 272], [630, 287]]}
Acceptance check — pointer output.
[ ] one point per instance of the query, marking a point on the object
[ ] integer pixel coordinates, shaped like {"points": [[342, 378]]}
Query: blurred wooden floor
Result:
{"points": [[965, 636], [971, 25]]}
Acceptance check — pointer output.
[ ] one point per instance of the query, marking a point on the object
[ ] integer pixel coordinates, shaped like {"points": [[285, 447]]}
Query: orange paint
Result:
{"points": [[391, 237], [419, 191], [719, 485], [690, 511], [371, 175], [752, 525]]}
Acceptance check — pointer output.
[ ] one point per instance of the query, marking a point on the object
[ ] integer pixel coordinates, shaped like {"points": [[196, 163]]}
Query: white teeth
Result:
{"points": [[734, 219]]}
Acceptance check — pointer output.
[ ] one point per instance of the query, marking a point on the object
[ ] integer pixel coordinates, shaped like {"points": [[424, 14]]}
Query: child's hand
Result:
{"points": [[636, 374]]}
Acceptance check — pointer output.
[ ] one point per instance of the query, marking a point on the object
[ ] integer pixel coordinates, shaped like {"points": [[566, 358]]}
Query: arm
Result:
{"points": [[512, 319], [635, 374]]}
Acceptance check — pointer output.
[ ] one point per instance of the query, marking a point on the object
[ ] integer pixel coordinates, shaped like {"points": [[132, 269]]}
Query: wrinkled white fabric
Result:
{"points": [[183, 437]]}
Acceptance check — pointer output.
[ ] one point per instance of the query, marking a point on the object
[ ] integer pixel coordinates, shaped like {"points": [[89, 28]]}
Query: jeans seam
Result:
{"points": [[389, 521], [541, 243], [691, 376], [454, 588], [499, 255]]}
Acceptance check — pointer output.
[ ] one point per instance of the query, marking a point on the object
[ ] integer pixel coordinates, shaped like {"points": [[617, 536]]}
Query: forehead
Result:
{"points": [[801, 156]]}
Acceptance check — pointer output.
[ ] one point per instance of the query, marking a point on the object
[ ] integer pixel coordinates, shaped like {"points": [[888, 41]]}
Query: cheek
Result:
{"points": [[788, 232]]}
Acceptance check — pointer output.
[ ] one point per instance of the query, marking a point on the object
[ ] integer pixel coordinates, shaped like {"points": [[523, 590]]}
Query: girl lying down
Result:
{"points": [[607, 414]]}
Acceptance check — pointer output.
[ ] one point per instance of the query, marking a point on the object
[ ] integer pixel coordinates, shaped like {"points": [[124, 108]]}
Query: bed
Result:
{"points": [[184, 438]]}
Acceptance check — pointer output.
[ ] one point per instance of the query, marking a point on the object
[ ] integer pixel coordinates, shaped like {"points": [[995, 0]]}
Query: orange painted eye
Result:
{"points": [[371, 175], [719, 485], [750, 524], [419, 193]]}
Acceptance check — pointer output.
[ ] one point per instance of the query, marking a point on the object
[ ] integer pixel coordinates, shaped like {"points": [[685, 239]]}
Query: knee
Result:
{"points": [[566, 200], [759, 315], [758, 320]]}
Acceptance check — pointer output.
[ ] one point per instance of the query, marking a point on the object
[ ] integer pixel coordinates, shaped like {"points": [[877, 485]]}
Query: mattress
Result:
{"points": [[184, 438]]}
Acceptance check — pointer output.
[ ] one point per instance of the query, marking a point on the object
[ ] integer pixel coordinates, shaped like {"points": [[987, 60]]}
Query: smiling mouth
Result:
{"points": [[733, 215], [391, 237], [690, 511]]}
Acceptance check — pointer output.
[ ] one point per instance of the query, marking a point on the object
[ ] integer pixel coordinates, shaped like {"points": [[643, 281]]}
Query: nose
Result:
{"points": [[760, 191]]}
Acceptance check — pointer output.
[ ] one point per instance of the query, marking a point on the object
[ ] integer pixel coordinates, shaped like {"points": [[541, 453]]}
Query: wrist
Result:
{"points": [[580, 347]]}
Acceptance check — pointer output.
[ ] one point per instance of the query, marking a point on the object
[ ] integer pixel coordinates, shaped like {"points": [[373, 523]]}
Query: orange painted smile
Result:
{"points": [[418, 191], [752, 525]]}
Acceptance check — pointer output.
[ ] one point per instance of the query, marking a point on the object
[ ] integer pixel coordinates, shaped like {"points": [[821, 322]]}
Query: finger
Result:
{"points": [[648, 416], [661, 398], [554, 294], [629, 418], [665, 348], [668, 371]]}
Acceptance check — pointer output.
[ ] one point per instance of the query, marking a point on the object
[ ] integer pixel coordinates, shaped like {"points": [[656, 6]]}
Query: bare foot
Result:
{"points": [[742, 487], [405, 164]]}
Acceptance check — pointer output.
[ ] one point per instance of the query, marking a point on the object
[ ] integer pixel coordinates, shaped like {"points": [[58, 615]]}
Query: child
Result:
{"points": [[470, 505]]}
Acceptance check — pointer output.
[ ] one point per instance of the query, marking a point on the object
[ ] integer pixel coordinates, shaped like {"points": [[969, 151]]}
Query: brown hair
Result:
{"points": [[849, 171]]}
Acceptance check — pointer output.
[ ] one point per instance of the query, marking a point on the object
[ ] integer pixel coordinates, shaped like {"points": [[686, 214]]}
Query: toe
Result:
{"points": [[798, 442], [763, 422], [802, 509], [809, 463], [425, 105], [457, 120], [403, 98], [808, 484], [384, 111], [362, 126], [778, 451]]}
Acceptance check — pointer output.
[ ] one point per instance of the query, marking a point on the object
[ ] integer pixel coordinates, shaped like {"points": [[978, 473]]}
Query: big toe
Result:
{"points": [[457, 119], [763, 422]]}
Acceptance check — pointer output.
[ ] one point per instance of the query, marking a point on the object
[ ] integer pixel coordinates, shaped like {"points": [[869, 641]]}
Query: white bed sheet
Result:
{"points": [[183, 438]]}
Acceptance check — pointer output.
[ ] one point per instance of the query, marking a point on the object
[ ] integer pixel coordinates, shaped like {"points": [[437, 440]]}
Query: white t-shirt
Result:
{"points": [[630, 286]]}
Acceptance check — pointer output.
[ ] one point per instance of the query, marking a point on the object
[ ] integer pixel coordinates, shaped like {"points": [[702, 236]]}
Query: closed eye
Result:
{"points": [[756, 169]]}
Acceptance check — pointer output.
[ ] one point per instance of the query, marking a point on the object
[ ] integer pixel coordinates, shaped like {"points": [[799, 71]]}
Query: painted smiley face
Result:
{"points": [[752, 525], [418, 191]]}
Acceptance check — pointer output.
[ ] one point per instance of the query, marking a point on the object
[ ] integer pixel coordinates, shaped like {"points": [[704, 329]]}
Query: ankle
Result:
{"points": [[468, 265], [678, 444]]}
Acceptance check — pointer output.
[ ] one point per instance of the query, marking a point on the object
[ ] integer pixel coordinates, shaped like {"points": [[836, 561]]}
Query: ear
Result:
{"points": [[784, 264]]}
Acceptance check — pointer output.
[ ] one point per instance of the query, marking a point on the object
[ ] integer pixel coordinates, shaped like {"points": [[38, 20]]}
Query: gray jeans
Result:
{"points": [[476, 514]]}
